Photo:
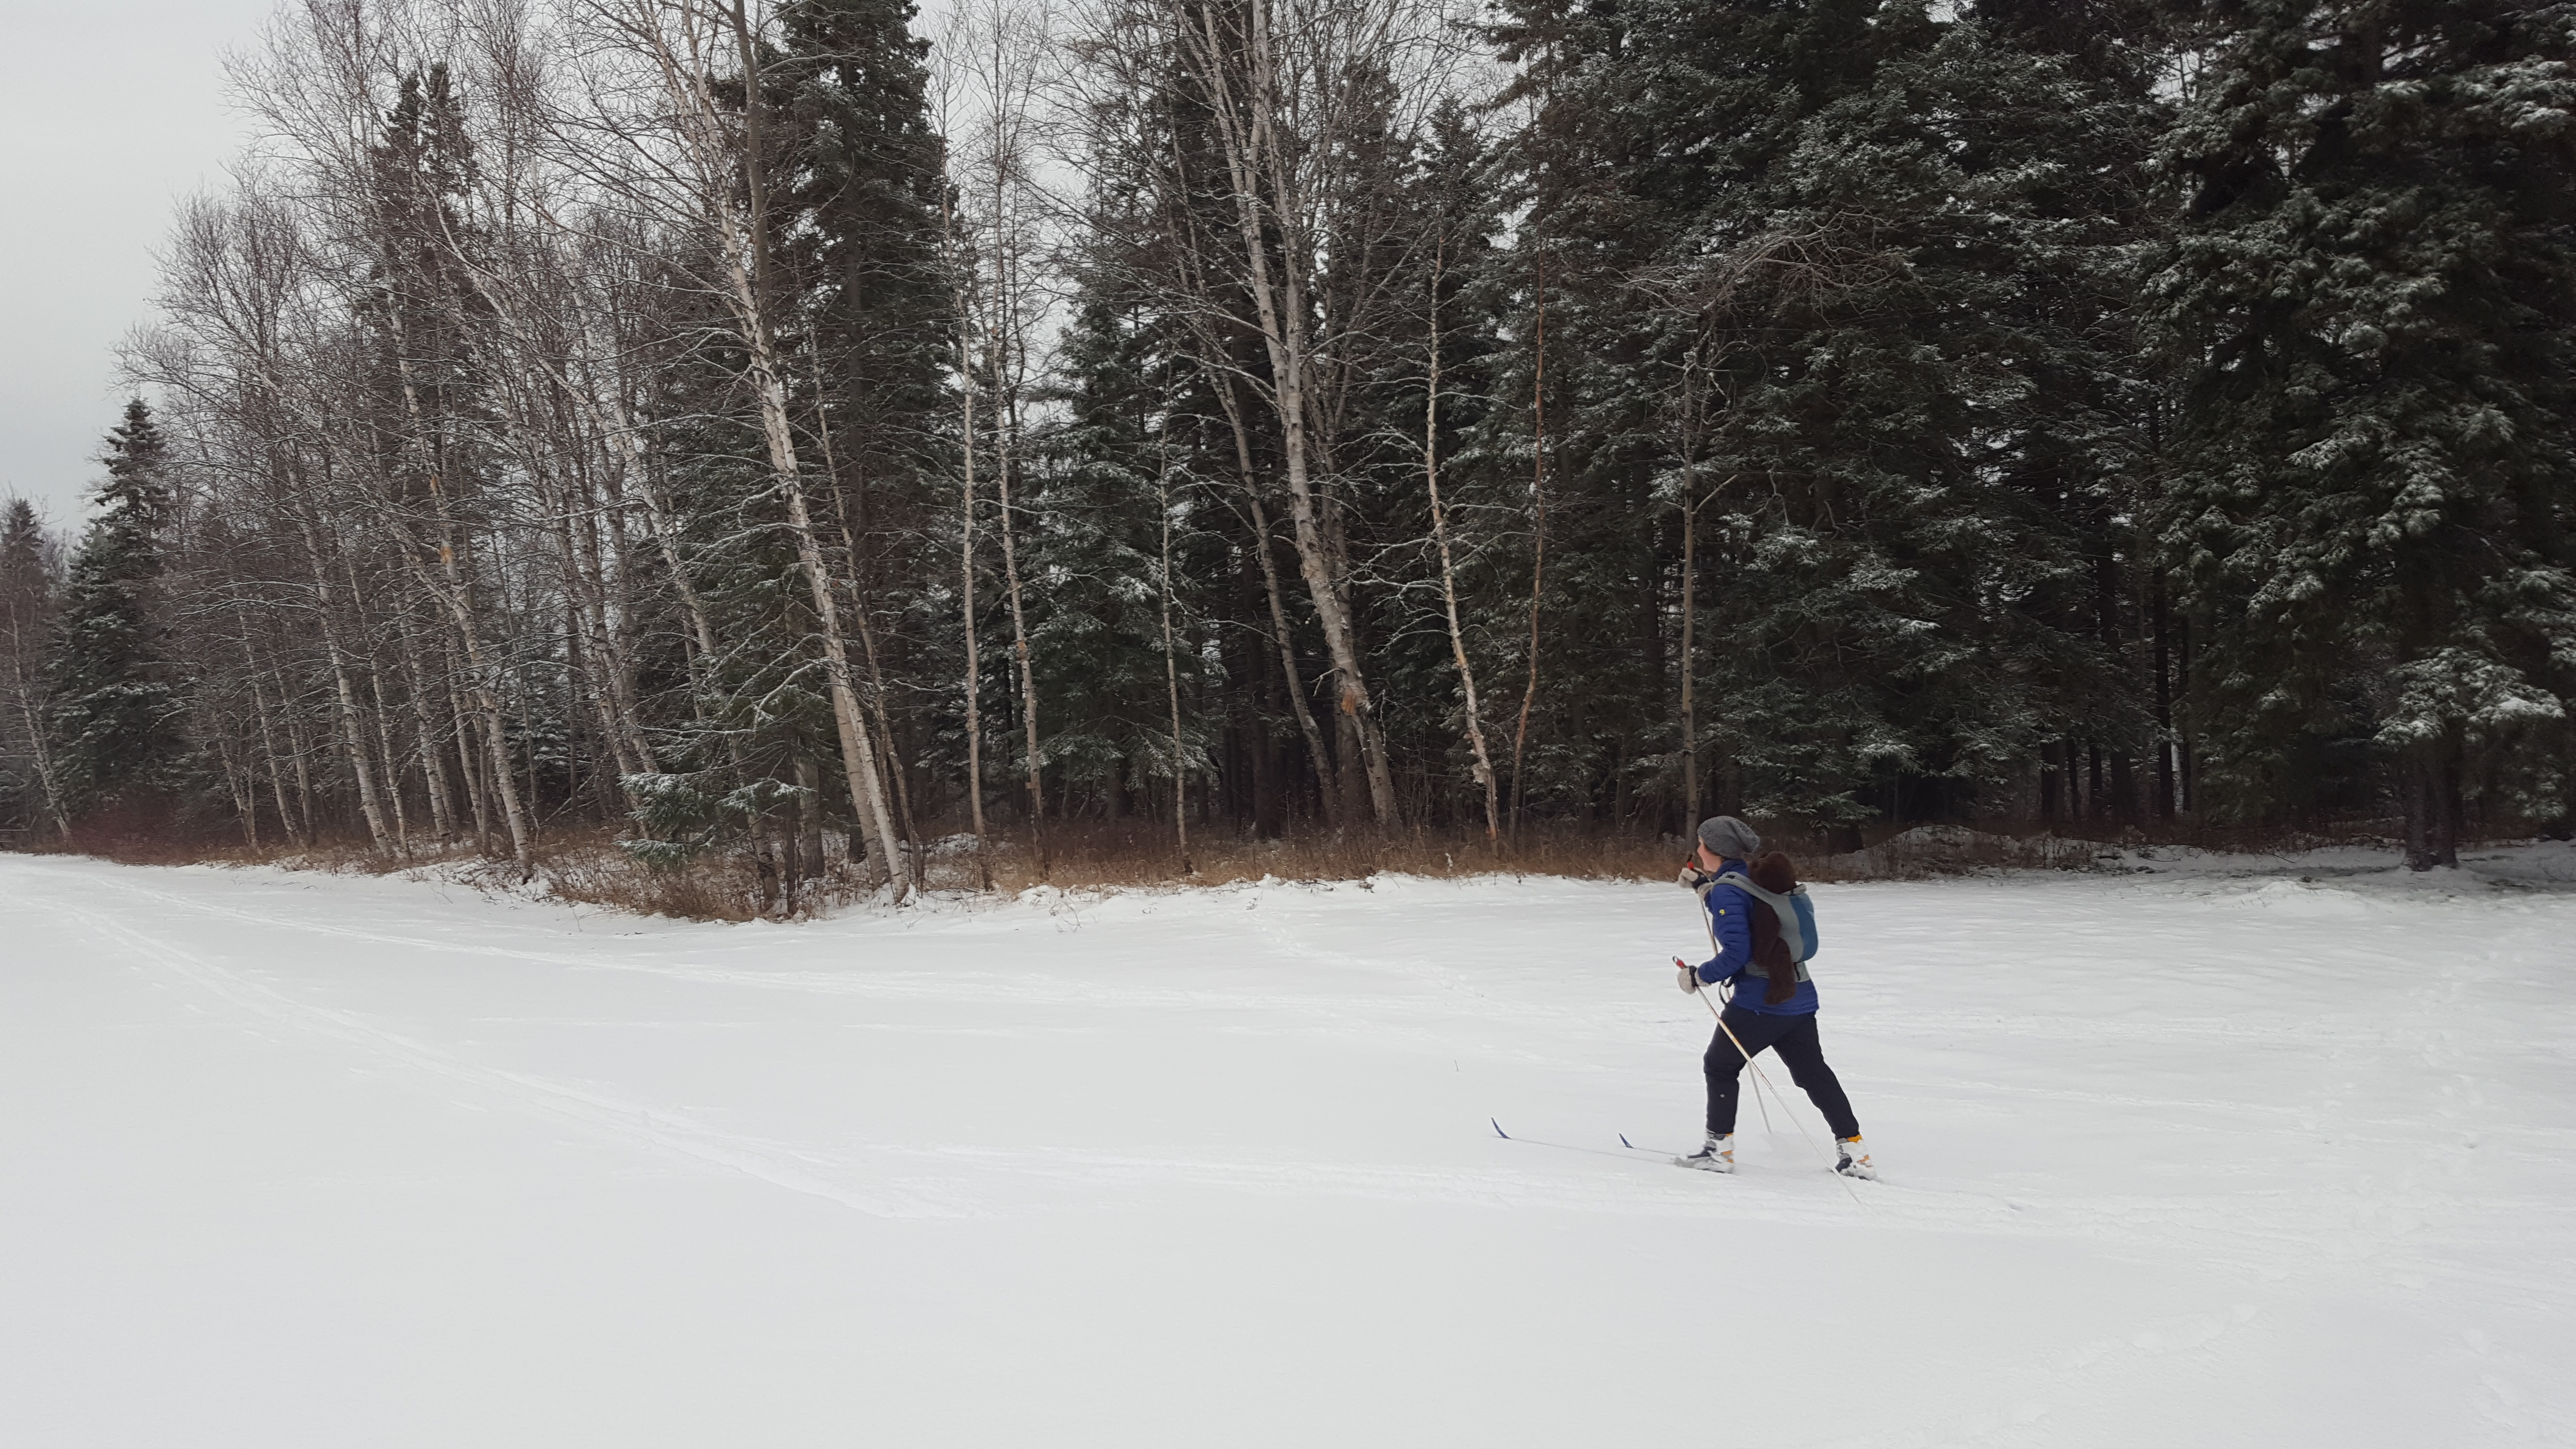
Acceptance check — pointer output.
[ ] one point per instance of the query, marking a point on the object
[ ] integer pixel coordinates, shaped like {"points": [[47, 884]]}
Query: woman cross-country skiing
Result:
{"points": [[1765, 932]]}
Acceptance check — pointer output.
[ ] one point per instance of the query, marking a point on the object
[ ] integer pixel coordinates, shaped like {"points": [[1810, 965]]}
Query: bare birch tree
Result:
{"points": [[991, 69], [708, 163]]}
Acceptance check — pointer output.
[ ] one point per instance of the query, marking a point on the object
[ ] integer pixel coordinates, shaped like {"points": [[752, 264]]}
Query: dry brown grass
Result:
{"points": [[587, 866], [581, 865], [1923, 852], [1110, 855], [1105, 856], [145, 831], [717, 886]]}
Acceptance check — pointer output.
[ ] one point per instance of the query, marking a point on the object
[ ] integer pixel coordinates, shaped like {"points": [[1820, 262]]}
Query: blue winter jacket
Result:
{"points": [[1730, 920]]}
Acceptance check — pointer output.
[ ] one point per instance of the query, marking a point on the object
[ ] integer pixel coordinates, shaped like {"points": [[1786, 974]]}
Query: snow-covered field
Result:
{"points": [[2188, 1158]]}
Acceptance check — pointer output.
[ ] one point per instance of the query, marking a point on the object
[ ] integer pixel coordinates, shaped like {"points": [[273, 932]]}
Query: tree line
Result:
{"points": [[807, 431]]}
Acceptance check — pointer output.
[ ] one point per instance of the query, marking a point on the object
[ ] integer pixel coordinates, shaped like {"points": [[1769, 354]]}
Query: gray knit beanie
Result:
{"points": [[1729, 838]]}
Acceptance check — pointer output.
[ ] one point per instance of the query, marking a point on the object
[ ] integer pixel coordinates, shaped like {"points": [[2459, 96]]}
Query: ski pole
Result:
{"points": [[1762, 1080], [1759, 1076], [1759, 1081], [1762, 1087]]}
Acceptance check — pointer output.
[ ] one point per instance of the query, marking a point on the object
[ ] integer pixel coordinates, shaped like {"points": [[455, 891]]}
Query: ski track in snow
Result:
{"points": [[2375, 1151], [656, 1129]]}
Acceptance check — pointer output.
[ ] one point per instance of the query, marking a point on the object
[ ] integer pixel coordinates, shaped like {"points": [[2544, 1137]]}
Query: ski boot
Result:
{"points": [[1715, 1155], [1852, 1158]]}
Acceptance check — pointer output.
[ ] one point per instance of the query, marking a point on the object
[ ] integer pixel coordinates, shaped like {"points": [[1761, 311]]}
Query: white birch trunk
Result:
{"points": [[741, 245], [352, 733], [1172, 680], [1448, 569], [1259, 176]]}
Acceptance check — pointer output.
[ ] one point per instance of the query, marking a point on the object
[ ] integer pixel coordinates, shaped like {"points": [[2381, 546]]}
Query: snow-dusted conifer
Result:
{"points": [[1095, 628], [29, 792], [2370, 308], [116, 709], [1831, 268]]}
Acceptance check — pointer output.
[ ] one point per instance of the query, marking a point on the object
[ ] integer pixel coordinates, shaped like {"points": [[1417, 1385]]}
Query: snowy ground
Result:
{"points": [[2183, 1159]]}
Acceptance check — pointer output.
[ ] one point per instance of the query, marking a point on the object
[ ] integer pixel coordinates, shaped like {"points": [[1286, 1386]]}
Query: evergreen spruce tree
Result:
{"points": [[869, 329], [859, 167], [2369, 308], [28, 586], [856, 295], [741, 748], [1095, 629], [116, 708], [1839, 268]]}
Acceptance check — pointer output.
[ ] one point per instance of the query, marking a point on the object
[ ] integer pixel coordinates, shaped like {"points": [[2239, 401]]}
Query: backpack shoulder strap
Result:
{"points": [[1784, 908]]}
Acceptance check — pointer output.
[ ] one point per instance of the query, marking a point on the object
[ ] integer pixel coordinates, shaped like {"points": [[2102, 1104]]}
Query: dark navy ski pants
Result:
{"points": [[1794, 1038]]}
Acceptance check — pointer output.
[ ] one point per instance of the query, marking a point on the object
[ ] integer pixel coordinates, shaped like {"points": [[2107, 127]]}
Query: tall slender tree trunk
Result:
{"points": [[352, 732], [809, 817], [2110, 591], [961, 269], [612, 621], [590, 636], [2184, 765], [746, 260], [1172, 678], [1216, 341], [2075, 798], [268, 740], [2432, 795], [974, 682], [1484, 768], [1020, 652], [2164, 709], [455, 594], [451, 588], [393, 762], [612, 671], [613, 420], [889, 760], [433, 759], [1538, 545], [908, 828], [1259, 173], [999, 335], [392, 758], [1691, 503], [477, 787], [245, 802], [1280, 636], [659, 518], [23, 690], [586, 620], [303, 767]]}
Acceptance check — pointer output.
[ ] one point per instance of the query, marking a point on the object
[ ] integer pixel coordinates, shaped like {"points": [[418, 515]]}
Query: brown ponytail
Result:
{"points": [[1773, 873]]}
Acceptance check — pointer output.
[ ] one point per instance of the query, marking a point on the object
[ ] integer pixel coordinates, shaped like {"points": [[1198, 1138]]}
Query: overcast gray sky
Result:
{"points": [[110, 110]]}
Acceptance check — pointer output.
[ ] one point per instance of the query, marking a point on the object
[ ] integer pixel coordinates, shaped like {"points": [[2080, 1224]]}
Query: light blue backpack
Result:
{"points": [[1797, 915]]}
